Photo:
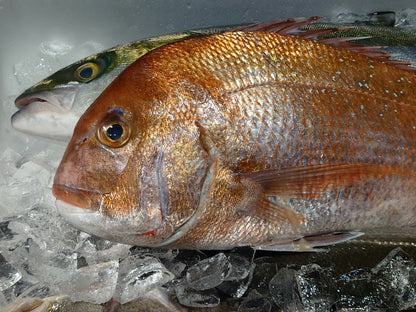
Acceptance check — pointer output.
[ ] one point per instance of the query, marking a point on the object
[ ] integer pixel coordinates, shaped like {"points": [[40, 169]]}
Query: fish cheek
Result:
{"points": [[88, 168], [137, 198]]}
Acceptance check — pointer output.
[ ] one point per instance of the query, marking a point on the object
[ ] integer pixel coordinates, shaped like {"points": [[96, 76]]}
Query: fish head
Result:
{"points": [[109, 180], [52, 107]]}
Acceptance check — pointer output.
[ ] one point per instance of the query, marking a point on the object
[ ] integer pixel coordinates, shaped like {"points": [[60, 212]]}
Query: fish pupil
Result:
{"points": [[114, 132], [86, 72]]}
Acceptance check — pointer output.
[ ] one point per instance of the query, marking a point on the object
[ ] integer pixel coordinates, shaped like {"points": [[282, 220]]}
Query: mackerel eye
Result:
{"points": [[114, 133], [87, 72]]}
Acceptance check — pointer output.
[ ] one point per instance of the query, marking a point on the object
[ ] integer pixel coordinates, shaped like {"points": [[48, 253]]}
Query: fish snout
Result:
{"points": [[74, 185], [47, 114], [60, 98]]}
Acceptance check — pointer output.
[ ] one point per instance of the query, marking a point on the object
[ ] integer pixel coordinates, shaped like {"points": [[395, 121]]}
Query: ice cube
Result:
{"points": [[316, 287], [190, 257], [284, 290], [396, 275], [165, 254], [358, 290], [86, 245], [138, 275], [46, 229], [265, 270], [3, 300], [5, 232], [54, 48], [8, 274], [95, 283], [406, 18], [38, 264], [209, 272], [8, 161], [41, 68], [22, 188], [196, 298], [40, 290], [113, 251], [175, 266], [237, 288], [348, 17], [255, 302], [30, 172], [18, 198], [24, 288], [240, 267]]}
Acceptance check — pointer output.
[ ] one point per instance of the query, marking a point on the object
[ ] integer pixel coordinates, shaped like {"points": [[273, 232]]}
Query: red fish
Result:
{"points": [[260, 137]]}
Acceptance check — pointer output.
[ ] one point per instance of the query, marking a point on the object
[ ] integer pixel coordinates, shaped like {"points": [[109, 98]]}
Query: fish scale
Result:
{"points": [[343, 152], [291, 158], [253, 139]]}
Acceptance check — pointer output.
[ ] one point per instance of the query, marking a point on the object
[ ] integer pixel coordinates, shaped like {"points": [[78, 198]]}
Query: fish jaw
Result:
{"points": [[76, 197], [60, 97], [45, 120], [47, 114], [85, 210], [95, 223]]}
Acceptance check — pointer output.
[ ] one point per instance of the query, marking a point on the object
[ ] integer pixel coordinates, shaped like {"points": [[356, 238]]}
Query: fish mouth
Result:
{"points": [[22, 102], [46, 114], [81, 198], [61, 98]]}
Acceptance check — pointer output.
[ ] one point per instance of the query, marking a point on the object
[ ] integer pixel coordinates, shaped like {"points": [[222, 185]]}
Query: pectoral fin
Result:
{"points": [[302, 182], [314, 181]]}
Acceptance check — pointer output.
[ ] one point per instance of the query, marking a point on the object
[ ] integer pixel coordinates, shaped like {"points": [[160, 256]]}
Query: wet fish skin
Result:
{"points": [[399, 43], [244, 139], [108, 60], [51, 107], [64, 97], [375, 34]]}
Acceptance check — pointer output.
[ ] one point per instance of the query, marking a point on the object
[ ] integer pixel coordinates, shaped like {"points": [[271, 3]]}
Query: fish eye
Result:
{"points": [[114, 133], [87, 72]]}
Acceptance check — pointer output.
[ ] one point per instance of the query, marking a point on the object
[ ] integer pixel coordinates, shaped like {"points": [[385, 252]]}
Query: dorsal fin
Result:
{"points": [[290, 26], [293, 27]]}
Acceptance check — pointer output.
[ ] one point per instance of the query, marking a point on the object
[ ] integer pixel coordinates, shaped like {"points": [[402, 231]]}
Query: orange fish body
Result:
{"points": [[244, 138]]}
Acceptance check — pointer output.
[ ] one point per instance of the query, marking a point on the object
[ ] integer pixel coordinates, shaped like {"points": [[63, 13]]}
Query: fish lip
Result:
{"points": [[62, 207], [23, 101], [77, 197], [62, 98]]}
